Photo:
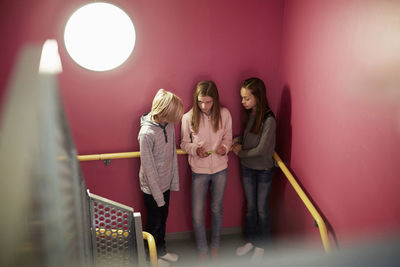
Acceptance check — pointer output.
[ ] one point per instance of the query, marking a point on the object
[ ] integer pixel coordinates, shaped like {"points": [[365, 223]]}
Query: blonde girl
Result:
{"points": [[158, 165]]}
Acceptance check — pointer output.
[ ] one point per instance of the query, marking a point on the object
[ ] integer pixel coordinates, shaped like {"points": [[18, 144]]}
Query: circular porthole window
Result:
{"points": [[99, 36]]}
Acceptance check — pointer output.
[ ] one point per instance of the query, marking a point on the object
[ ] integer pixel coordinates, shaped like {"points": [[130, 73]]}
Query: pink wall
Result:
{"points": [[178, 43], [333, 83], [340, 78]]}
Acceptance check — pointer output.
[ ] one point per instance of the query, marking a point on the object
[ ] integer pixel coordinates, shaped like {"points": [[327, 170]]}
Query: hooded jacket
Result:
{"points": [[158, 159], [210, 140]]}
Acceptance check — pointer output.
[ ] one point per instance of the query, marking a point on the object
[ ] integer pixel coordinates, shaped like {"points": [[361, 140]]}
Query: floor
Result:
{"points": [[187, 250], [300, 253], [277, 254]]}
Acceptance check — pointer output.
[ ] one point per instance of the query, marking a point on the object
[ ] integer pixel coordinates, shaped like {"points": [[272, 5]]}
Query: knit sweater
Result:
{"points": [[158, 159], [258, 149], [210, 140]]}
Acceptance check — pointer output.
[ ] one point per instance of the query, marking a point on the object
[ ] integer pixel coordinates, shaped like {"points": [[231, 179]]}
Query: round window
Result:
{"points": [[99, 36]]}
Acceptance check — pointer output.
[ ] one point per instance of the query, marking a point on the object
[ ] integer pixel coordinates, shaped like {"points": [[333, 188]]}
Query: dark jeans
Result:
{"points": [[156, 220], [257, 187]]}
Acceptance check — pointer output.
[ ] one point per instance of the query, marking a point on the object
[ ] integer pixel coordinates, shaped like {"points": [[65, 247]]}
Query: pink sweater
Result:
{"points": [[209, 139]]}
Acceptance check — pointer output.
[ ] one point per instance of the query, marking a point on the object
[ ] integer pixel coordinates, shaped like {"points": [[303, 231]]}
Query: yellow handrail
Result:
{"points": [[318, 219], [152, 248], [122, 155], [306, 201]]}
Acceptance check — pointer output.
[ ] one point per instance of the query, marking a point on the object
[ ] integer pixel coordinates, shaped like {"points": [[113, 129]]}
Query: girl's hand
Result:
{"points": [[235, 140], [201, 152], [236, 148], [221, 150]]}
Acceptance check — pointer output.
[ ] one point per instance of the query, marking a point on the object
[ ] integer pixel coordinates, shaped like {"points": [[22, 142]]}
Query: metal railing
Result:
{"points": [[318, 219], [152, 248]]}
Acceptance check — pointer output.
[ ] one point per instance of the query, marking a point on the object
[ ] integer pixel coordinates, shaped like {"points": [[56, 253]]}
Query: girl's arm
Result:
{"points": [[227, 136], [237, 140], [186, 141], [236, 144], [267, 139], [149, 168], [175, 177]]}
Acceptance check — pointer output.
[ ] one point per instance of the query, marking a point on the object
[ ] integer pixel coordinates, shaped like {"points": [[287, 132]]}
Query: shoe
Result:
{"points": [[163, 263], [170, 257], [214, 253], [258, 254], [243, 250]]}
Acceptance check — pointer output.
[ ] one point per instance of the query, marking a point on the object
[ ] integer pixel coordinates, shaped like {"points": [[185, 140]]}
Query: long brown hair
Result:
{"points": [[257, 88], [206, 88]]}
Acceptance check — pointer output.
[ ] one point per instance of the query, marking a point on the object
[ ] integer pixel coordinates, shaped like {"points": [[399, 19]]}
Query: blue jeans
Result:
{"points": [[200, 184], [257, 187]]}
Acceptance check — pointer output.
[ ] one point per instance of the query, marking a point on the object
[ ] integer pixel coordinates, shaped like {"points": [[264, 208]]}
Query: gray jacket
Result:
{"points": [[258, 149], [158, 160]]}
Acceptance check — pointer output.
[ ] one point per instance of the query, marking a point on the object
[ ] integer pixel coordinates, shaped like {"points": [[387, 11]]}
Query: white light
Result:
{"points": [[99, 36], [50, 59]]}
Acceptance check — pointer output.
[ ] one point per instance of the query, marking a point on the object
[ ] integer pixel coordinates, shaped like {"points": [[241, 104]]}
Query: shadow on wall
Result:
{"points": [[283, 147], [287, 216], [284, 126]]}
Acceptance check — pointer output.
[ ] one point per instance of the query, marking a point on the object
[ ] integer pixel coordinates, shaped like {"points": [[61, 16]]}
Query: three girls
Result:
{"points": [[207, 138]]}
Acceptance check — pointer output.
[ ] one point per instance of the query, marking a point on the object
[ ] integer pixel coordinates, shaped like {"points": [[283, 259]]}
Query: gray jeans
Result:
{"points": [[200, 183]]}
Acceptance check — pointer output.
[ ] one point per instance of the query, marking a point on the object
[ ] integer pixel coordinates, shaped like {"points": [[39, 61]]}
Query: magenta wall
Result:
{"points": [[178, 43], [341, 112]]}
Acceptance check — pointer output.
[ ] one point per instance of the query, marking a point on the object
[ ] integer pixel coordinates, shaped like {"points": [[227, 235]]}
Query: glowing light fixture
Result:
{"points": [[50, 59], [99, 36]]}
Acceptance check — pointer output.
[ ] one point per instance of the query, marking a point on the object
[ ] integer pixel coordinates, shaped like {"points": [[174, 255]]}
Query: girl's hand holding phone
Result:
{"points": [[201, 152], [236, 148], [221, 150]]}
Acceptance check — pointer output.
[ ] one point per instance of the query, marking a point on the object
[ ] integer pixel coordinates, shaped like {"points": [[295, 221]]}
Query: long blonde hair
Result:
{"points": [[166, 107], [206, 88]]}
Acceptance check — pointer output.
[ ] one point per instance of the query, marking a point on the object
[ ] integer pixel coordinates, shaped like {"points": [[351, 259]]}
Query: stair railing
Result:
{"points": [[317, 217]]}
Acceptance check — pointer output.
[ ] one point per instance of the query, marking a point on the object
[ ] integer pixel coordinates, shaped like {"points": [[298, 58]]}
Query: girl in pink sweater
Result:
{"points": [[207, 137]]}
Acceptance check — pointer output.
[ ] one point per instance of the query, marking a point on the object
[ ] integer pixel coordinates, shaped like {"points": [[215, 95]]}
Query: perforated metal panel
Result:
{"points": [[113, 232], [44, 208], [47, 216]]}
